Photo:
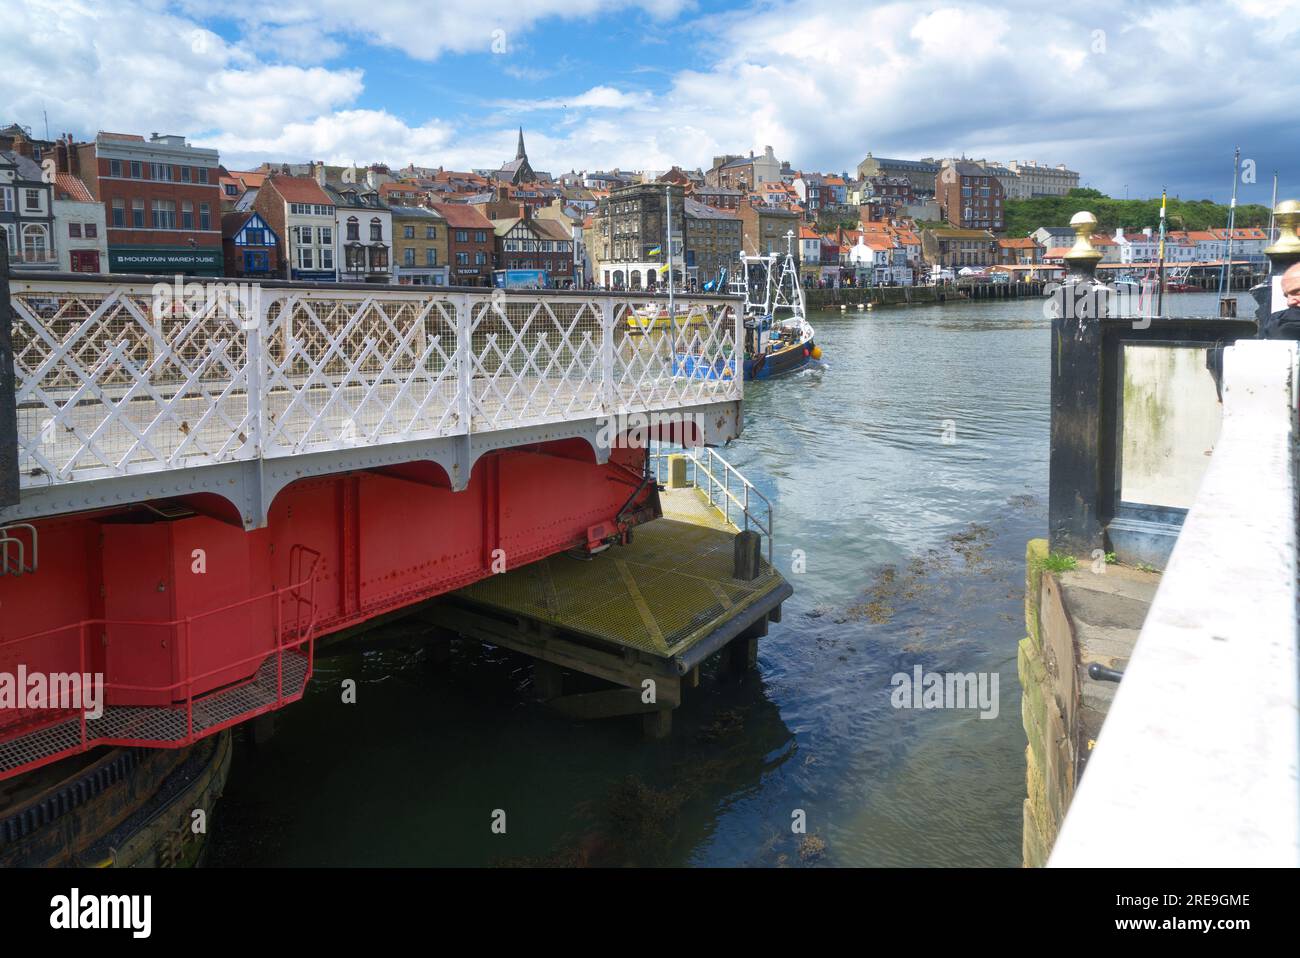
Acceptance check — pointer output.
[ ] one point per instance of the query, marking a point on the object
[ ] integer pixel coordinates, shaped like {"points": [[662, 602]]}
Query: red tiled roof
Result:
{"points": [[300, 189], [69, 187], [463, 216]]}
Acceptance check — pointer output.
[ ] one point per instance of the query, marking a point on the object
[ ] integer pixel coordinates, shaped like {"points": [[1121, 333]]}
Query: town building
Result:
{"points": [[299, 211], [745, 173], [633, 228], [470, 244], [959, 247], [420, 247], [27, 213], [364, 227], [161, 199], [80, 229], [1021, 251], [519, 170], [18, 139], [251, 249], [764, 229], [528, 242], [712, 242], [920, 173], [969, 196], [719, 197], [1038, 180]]}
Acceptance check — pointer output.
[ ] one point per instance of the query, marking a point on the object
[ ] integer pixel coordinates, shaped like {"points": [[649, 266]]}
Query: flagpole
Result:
{"points": [[1160, 270]]}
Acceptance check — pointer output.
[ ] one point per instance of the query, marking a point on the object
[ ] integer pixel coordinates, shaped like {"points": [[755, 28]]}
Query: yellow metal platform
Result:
{"points": [[661, 594]]}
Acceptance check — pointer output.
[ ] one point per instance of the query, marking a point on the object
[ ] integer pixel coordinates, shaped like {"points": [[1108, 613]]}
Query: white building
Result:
{"points": [[79, 224], [365, 234], [1034, 179]]}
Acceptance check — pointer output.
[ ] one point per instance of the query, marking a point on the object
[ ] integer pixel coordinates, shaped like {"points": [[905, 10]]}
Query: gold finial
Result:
{"points": [[1288, 218], [1084, 224]]}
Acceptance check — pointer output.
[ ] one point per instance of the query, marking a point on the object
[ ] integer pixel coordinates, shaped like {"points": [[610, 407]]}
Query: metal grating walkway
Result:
{"points": [[662, 593], [141, 725]]}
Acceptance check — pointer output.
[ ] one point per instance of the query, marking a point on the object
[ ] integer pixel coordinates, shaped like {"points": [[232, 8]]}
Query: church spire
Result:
{"points": [[519, 152]]}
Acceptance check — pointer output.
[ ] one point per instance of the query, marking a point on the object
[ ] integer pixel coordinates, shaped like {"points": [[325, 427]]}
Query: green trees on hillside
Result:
{"points": [[1025, 216]]}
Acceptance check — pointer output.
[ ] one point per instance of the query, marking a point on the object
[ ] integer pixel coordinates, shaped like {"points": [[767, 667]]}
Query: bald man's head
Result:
{"points": [[1291, 286]]}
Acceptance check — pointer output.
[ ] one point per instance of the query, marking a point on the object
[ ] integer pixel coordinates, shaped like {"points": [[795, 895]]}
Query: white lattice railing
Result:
{"points": [[116, 379]]}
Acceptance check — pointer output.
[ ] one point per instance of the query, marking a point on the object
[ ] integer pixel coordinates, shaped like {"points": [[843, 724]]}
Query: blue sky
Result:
{"points": [[1131, 94]]}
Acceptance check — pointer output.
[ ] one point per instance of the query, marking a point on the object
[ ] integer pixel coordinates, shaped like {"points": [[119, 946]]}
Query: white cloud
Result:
{"points": [[1014, 79]]}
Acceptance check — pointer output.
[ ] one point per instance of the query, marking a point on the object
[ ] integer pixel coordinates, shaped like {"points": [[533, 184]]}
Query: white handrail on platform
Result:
{"points": [[1196, 762], [717, 486], [110, 383]]}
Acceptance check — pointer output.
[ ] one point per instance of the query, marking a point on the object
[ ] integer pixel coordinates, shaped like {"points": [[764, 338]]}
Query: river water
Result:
{"points": [[907, 474]]}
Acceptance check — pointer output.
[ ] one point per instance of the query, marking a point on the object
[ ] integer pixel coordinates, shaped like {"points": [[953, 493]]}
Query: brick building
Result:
{"points": [[712, 241], [420, 247], [161, 200], [302, 215], [470, 245], [764, 228], [970, 197]]}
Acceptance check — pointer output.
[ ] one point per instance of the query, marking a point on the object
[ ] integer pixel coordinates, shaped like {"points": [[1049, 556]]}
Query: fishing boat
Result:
{"points": [[778, 338]]}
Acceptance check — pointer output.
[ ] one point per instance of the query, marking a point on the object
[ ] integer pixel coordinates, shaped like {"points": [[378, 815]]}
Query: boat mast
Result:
{"points": [[1225, 277]]}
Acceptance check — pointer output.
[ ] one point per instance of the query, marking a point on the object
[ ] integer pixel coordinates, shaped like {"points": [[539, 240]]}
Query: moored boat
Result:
{"points": [[778, 337]]}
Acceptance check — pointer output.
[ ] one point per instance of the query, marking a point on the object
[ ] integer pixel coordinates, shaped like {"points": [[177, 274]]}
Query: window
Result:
{"points": [[203, 174], [376, 230], [205, 221], [325, 235], [164, 214], [161, 171], [35, 247], [354, 229], [114, 167], [355, 258], [231, 188], [431, 232], [462, 259], [187, 215], [6, 199], [378, 258], [430, 257], [185, 175], [31, 199], [119, 213], [327, 259], [74, 230], [137, 214], [135, 170], [92, 231], [304, 257], [408, 256], [462, 236], [479, 259], [408, 232], [255, 236]]}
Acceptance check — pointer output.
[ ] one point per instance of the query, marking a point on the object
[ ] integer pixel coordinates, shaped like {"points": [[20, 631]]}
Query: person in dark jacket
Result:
{"points": [[1285, 323]]}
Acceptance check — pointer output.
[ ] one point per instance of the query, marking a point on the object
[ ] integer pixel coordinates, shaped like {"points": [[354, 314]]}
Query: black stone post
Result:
{"points": [[1283, 254], [8, 413], [1075, 491]]}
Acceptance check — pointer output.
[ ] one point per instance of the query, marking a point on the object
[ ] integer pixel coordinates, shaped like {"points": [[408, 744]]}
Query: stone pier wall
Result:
{"points": [[1074, 619]]}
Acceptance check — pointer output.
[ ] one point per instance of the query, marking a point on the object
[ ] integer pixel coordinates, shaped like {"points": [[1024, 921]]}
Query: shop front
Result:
{"points": [[165, 260]]}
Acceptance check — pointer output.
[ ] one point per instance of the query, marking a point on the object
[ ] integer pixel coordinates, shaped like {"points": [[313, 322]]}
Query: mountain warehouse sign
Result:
{"points": [[164, 259]]}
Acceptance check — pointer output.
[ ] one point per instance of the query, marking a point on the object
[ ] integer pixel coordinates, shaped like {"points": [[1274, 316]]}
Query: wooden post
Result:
{"points": [[8, 414], [749, 550]]}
